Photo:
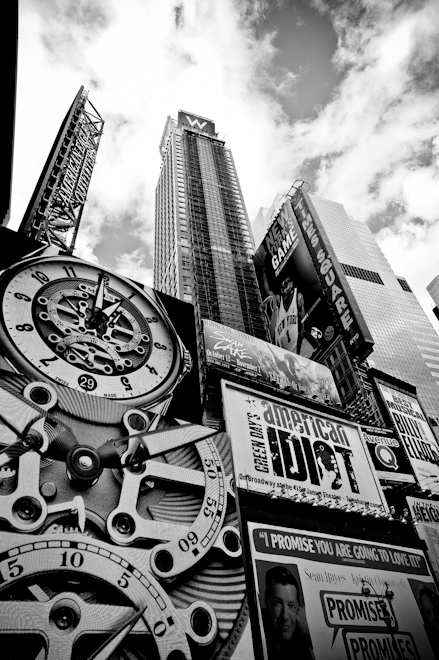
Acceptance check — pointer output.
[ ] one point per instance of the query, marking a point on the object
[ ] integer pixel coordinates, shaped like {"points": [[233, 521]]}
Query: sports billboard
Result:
{"points": [[331, 276], [324, 597], [243, 354], [388, 455], [278, 446], [307, 299], [414, 431]]}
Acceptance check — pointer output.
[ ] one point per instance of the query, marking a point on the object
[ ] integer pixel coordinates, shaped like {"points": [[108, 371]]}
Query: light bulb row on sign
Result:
{"points": [[319, 499]]}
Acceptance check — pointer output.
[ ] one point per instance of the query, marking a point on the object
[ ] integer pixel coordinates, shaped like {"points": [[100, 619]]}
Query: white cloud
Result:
{"points": [[133, 265], [373, 147]]}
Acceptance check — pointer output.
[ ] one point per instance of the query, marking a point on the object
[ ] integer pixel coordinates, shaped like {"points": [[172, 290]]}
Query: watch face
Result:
{"points": [[121, 555], [70, 322]]}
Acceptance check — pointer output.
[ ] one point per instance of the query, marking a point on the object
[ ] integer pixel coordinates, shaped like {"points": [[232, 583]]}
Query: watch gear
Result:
{"points": [[69, 592], [70, 323]]}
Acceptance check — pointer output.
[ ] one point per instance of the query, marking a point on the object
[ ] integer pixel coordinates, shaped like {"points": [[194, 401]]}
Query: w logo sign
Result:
{"points": [[196, 122]]}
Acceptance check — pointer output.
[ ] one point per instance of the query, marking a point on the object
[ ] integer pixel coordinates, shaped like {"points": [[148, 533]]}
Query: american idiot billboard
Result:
{"points": [[414, 431], [325, 597], [307, 299], [388, 455], [279, 447], [238, 352]]}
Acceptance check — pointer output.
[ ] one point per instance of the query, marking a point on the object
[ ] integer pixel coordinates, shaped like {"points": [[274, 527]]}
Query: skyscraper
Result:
{"points": [[203, 246], [406, 345], [433, 290]]}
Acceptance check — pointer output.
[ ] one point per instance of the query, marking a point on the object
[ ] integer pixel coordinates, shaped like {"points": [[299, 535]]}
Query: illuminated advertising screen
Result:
{"points": [[297, 313], [426, 515], [237, 352], [332, 278], [388, 455], [323, 597], [284, 448], [414, 431], [307, 299], [196, 122]]}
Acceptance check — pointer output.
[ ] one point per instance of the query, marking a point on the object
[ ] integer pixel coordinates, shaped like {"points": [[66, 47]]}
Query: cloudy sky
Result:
{"points": [[341, 93]]}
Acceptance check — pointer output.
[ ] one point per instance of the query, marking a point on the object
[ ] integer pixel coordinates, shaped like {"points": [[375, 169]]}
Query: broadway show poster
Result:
{"points": [[324, 598], [283, 448], [416, 434], [240, 353], [426, 515], [388, 455]]}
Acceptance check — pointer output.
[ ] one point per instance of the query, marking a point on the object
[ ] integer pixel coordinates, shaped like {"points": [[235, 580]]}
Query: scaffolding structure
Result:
{"points": [[56, 206]]}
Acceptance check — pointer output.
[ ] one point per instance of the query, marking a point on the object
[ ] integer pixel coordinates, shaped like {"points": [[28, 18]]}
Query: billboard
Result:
{"points": [[414, 431], [118, 525], [332, 278], [312, 604], [195, 122], [238, 352], [388, 455], [55, 209], [307, 300], [426, 515], [283, 447]]}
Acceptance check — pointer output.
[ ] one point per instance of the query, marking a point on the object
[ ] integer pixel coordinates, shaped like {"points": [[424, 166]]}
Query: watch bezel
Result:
{"points": [[21, 363]]}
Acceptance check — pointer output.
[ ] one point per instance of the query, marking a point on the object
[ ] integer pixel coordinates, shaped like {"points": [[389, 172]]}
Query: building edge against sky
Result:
{"points": [[406, 344], [433, 290]]}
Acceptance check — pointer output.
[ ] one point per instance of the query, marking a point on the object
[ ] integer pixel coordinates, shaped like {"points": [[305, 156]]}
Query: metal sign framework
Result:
{"points": [[55, 209]]}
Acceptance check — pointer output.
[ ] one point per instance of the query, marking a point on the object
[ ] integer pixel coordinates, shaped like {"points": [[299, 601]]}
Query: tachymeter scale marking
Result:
{"points": [[181, 546], [40, 556], [200, 537]]}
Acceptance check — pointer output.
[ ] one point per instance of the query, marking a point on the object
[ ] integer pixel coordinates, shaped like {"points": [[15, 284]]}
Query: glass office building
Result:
{"points": [[406, 344], [203, 245]]}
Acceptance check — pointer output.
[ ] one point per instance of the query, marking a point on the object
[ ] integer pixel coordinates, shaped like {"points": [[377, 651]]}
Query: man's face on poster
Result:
{"points": [[282, 606], [431, 611], [287, 288]]}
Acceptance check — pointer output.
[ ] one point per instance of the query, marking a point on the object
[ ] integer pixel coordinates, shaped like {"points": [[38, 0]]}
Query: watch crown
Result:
{"points": [[187, 360]]}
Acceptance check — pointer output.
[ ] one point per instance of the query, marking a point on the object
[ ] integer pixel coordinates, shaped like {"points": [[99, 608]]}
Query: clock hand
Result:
{"points": [[152, 444], [71, 304], [26, 420], [110, 645], [98, 301], [108, 311]]}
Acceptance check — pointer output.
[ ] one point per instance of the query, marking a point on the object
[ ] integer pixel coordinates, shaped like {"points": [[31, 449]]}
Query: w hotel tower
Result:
{"points": [[203, 245]]}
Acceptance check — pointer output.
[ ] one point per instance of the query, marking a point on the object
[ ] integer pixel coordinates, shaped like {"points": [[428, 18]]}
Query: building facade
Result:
{"points": [[433, 290], [203, 245], [406, 345]]}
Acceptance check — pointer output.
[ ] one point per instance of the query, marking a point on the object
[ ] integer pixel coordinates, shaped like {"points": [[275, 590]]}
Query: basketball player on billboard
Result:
{"points": [[287, 312]]}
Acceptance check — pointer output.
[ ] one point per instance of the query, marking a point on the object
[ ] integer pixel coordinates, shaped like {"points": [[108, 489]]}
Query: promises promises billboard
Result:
{"points": [[312, 602], [416, 434], [241, 353], [277, 445]]}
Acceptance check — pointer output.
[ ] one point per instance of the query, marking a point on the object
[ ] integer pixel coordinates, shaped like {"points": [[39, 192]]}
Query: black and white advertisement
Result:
{"points": [[322, 597], [388, 455], [238, 352], [279, 447]]}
